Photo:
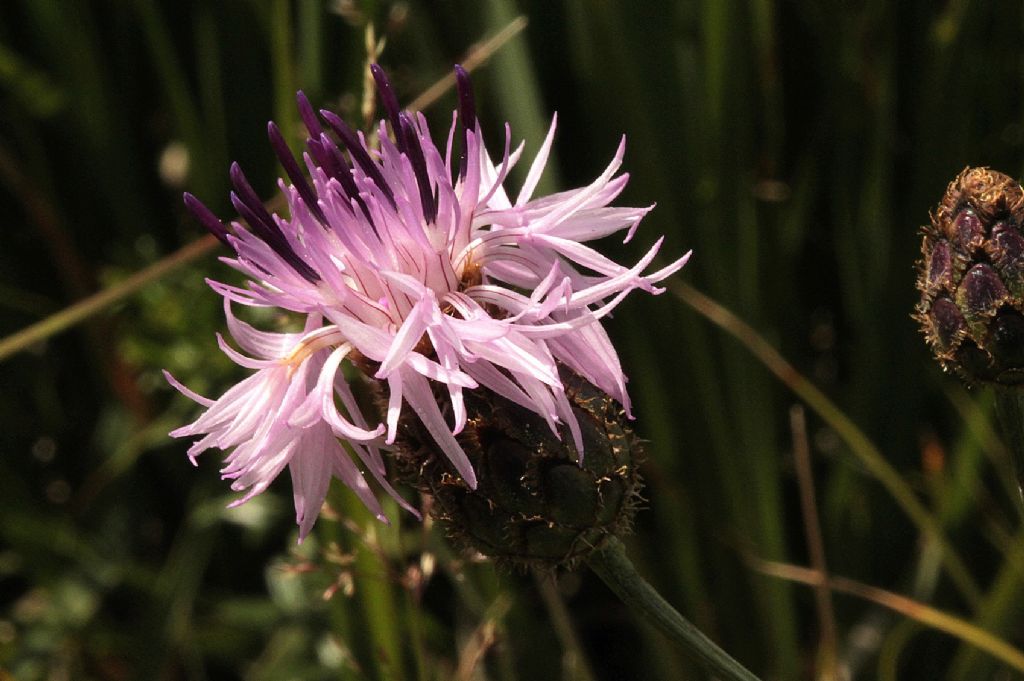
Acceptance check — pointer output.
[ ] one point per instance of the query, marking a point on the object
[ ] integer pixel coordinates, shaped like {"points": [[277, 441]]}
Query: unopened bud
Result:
{"points": [[970, 278]]}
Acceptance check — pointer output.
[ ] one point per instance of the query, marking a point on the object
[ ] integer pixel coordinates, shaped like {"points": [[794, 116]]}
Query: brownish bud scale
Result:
{"points": [[534, 505], [971, 278]]}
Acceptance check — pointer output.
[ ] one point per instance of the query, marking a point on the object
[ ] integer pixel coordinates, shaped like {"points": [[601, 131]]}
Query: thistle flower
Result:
{"points": [[971, 278], [413, 264]]}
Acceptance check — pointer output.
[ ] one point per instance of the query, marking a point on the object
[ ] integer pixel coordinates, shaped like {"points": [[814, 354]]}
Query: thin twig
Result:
{"points": [[908, 607], [862, 447], [78, 279], [99, 301], [828, 657], [474, 58]]}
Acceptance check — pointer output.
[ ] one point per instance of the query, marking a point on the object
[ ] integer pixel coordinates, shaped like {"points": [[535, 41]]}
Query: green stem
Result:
{"points": [[1010, 412], [617, 571]]}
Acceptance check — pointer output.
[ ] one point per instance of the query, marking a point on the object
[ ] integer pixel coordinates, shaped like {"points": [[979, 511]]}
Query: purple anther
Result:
{"points": [[467, 114], [467, 107], [387, 98], [322, 158], [247, 196], [295, 174], [207, 219], [358, 153], [248, 204], [419, 166], [308, 114], [344, 174]]}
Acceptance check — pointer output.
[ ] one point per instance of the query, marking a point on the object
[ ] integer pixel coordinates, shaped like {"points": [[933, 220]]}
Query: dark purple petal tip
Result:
{"points": [[248, 197], [206, 218], [239, 181], [387, 95], [358, 153], [295, 174], [308, 114], [276, 138], [467, 107], [414, 151], [251, 208]]}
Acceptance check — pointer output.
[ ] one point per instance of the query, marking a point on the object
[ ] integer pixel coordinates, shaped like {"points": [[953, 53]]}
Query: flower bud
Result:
{"points": [[536, 504], [970, 278]]}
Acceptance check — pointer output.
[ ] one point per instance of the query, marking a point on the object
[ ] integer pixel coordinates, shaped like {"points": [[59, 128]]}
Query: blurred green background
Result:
{"points": [[795, 146]]}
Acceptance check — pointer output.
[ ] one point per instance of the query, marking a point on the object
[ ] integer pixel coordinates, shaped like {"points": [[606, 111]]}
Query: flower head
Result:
{"points": [[413, 264]]}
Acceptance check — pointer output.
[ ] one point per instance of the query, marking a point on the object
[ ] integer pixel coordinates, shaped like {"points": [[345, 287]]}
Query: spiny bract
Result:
{"points": [[538, 504]]}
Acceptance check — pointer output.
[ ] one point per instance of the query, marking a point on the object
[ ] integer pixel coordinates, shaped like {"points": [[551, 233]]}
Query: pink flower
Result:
{"points": [[421, 280]]}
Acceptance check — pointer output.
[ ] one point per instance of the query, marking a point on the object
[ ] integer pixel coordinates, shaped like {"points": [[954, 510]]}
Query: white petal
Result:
{"points": [[537, 167]]}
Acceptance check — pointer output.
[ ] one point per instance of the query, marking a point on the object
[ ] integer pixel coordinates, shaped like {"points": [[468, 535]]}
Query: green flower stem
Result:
{"points": [[1010, 412], [617, 571]]}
